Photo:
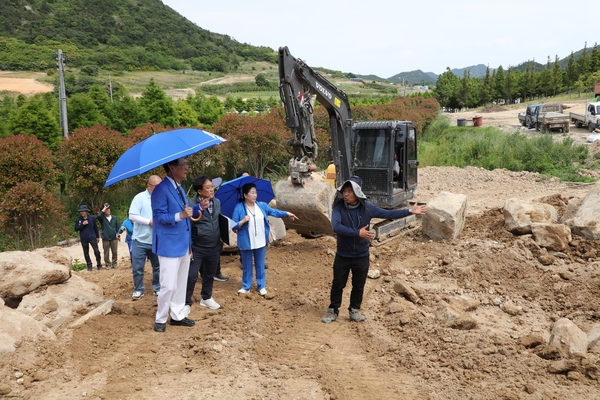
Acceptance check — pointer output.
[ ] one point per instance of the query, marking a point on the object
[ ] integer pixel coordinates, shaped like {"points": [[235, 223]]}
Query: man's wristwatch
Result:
{"points": [[410, 211]]}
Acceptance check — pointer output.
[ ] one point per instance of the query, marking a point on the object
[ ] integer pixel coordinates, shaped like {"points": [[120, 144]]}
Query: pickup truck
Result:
{"points": [[551, 120], [527, 118], [545, 117], [591, 119]]}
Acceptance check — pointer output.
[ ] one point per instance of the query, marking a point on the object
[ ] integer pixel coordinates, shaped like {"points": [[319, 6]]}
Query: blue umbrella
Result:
{"points": [[230, 193], [159, 149]]}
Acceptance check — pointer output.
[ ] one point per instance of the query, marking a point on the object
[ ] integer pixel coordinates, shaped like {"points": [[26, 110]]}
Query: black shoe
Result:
{"points": [[158, 327], [266, 266], [221, 278], [99, 266], [183, 322], [89, 268]]}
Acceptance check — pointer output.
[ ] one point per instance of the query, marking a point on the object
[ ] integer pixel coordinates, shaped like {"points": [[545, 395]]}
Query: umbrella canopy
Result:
{"points": [[159, 149], [230, 193]]}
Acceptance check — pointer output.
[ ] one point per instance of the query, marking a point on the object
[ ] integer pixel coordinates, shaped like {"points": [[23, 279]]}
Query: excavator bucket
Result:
{"points": [[310, 202]]}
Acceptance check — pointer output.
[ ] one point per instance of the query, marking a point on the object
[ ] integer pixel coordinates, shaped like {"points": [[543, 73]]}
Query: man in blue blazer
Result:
{"points": [[171, 241]]}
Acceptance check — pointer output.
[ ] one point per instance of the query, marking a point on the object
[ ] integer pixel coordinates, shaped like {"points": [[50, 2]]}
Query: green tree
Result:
{"points": [[595, 59], [261, 80], [545, 79], [187, 115], [511, 84], [209, 109], [446, 89], [583, 62], [83, 112], [556, 78], [34, 119], [7, 105], [99, 95], [157, 106], [570, 72], [500, 84], [486, 88], [125, 114]]}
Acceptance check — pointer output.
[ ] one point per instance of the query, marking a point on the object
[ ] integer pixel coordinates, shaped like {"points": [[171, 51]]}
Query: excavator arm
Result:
{"points": [[299, 86]]}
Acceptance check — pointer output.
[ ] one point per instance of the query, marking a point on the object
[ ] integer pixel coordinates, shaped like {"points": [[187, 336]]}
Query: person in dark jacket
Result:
{"points": [[350, 218], [206, 242], [110, 228], [85, 224]]}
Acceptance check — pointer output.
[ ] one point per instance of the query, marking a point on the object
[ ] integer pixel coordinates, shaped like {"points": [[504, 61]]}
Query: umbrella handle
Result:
{"points": [[196, 219]]}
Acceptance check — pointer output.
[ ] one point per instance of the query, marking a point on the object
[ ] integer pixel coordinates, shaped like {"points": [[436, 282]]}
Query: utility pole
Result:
{"points": [[110, 88], [62, 96]]}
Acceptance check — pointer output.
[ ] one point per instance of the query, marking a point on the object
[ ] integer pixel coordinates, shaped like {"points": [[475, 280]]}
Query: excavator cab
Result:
{"points": [[385, 158]]}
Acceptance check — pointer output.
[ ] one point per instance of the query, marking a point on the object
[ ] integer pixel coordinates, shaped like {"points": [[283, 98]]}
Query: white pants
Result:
{"points": [[173, 284]]}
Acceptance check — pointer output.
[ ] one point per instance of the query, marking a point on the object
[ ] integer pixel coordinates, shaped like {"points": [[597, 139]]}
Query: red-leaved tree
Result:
{"points": [[30, 211], [25, 158], [32, 216], [87, 157], [253, 142]]}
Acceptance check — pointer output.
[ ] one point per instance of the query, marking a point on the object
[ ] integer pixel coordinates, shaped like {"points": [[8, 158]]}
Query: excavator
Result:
{"points": [[382, 153]]}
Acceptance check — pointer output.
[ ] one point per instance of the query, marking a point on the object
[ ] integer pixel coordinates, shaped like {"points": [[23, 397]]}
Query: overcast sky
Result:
{"points": [[386, 37]]}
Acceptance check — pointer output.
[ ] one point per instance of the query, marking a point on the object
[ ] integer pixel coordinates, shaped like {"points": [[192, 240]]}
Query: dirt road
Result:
{"points": [[277, 348]]}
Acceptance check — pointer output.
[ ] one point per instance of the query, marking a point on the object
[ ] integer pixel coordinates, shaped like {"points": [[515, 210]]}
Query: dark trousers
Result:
{"points": [[341, 270], [208, 258], [86, 253]]}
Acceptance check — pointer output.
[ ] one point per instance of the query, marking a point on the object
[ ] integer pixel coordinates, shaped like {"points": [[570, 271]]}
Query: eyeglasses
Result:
{"points": [[208, 188]]}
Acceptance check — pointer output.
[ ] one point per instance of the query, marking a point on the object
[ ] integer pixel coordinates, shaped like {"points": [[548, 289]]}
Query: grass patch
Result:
{"points": [[490, 148]]}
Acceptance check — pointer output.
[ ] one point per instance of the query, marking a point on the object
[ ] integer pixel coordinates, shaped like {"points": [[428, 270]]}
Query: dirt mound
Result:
{"points": [[274, 348], [493, 108]]}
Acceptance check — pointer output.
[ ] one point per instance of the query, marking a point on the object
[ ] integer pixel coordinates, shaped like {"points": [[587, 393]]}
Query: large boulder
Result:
{"points": [[445, 217], [583, 216], [57, 304], [16, 326], [551, 236], [519, 215], [23, 272]]}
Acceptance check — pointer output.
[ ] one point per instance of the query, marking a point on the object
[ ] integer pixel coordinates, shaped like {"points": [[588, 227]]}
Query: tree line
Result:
{"points": [[522, 83]]}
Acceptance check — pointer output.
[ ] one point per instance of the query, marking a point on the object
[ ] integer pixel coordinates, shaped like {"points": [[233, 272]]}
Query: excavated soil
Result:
{"points": [[277, 347]]}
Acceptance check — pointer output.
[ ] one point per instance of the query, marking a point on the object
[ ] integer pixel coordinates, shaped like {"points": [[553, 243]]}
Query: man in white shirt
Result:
{"points": [[140, 213]]}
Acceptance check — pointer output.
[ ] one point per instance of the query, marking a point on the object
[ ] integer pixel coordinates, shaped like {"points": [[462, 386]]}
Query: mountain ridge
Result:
{"points": [[144, 34]]}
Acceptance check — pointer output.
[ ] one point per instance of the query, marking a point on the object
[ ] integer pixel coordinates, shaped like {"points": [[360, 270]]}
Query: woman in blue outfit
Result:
{"points": [[252, 225]]}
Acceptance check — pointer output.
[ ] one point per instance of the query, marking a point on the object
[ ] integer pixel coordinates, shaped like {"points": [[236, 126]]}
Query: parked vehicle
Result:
{"points": [[591, 119], [527, 118], [545, 117], [553, 121]]}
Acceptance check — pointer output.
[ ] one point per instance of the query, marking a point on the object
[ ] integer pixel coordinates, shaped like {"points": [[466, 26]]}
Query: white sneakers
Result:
{"points": [[262, 291], [186, 311], [210, 303]]}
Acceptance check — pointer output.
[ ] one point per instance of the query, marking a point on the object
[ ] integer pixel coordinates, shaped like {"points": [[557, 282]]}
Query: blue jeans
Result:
{"points": [[259, 264], [139, 252]]}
